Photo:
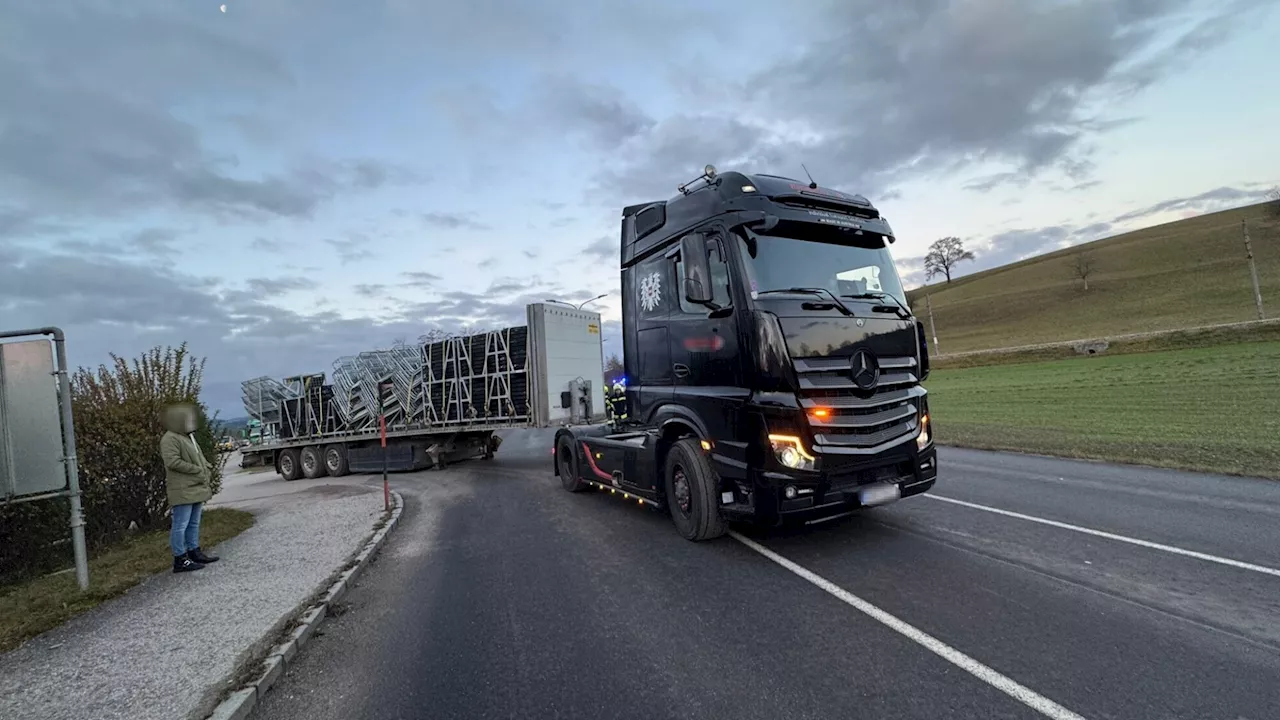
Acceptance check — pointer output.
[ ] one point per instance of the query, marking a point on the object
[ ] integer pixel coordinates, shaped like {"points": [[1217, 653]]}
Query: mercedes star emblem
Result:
{"points": [[864, 369]]}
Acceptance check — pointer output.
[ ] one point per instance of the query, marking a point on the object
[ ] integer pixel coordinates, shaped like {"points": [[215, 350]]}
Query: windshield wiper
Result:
{"points": [[814, 291], [905, 312]]}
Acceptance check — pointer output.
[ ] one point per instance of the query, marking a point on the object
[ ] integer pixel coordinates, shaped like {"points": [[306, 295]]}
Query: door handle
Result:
{"points": [[681, 370]]}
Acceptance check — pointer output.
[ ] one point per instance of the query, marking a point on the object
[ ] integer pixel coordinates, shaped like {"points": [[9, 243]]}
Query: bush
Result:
{"points": [[117, 410]]}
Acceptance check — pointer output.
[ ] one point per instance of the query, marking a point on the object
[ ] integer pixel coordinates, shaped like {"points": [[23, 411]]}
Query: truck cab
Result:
{"points": [[773, 365]]}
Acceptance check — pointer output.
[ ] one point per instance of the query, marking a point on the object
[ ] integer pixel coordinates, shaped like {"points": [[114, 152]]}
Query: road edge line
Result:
{"points": [[991, 677], [242, 700], [1172, 549]]}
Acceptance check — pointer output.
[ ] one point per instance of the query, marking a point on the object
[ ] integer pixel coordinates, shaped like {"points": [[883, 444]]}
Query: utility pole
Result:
{"points": [[1253, 269], [932, 328]]}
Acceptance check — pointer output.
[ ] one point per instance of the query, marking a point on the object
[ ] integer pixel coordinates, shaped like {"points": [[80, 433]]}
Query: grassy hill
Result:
{"points": [[1179, 274]]}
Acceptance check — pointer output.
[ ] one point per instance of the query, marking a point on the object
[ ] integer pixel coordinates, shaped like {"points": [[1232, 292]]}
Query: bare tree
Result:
{"points": [[613, 370], [943, 256], [1083, 266]]}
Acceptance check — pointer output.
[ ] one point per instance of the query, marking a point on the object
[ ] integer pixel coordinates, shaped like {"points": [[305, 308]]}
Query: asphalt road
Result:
{"points": [[502, 596]]}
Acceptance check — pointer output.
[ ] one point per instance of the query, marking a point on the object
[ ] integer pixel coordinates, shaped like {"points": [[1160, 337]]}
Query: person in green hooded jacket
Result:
{"points": [[187, 476]]}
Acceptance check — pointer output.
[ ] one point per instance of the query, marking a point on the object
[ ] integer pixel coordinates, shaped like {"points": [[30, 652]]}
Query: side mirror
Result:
{"points": [[697, 271]]}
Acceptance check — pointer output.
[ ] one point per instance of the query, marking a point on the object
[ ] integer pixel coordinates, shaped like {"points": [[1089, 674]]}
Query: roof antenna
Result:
{"points": [[812, 185]]}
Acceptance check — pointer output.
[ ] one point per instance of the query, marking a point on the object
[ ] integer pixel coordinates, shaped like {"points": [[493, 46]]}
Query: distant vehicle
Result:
{"points": [[226, 445], [442, 401], [773, 367]]}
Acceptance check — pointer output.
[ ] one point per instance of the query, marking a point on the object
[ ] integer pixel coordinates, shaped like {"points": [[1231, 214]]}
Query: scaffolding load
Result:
{"points": [[473, 382]]}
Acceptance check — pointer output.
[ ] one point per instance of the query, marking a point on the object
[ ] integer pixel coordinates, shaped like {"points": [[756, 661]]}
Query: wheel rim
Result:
{"points": [[680, 488], [332, 460], [286, 465], [308, 462]]}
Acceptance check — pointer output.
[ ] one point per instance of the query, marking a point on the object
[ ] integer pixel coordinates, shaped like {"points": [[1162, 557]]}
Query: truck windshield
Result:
{"points": [[783, 262]]}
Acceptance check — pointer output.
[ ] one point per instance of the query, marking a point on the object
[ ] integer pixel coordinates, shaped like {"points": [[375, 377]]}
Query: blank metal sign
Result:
{"points": [[30, 428]]}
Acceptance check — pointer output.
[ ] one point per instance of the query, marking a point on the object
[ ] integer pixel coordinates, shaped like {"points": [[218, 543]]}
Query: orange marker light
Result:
{"points": [[821, 413]]}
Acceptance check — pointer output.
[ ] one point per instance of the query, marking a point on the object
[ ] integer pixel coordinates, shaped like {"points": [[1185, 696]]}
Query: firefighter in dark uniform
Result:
{"points": [[617, 402]]}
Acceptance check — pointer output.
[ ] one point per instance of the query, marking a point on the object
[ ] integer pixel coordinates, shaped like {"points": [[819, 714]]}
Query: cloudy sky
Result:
{"points": [[293, 180]]}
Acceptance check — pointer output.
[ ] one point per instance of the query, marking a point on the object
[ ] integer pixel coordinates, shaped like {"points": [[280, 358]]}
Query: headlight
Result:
{"points": [[925, 436], [790, 451]]}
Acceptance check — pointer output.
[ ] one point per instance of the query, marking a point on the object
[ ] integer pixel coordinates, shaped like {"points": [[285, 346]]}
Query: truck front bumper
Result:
{"points": [[831, 493]]}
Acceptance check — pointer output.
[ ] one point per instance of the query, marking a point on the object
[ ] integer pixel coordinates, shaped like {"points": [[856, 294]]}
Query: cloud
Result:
{"points": [[453, 221], [605, 116], [369, 290], [1211, 201], [268, 245], [602, 248], [79, 142], [271, 287], [886, 92], [353, 248], [156, 242], [419, 278]]}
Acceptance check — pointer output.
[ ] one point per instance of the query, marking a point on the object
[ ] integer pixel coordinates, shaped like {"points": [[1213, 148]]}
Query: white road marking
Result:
{"points": [[1008, 686], [1112, 536]]}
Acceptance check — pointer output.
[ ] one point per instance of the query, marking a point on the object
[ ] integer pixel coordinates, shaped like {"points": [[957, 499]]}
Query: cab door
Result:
{"points": [[653, 293], [706, 366]]}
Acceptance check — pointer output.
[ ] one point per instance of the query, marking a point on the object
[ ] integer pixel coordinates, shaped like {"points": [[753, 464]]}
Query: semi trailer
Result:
{"points": [[432, 402], [774, 367]]}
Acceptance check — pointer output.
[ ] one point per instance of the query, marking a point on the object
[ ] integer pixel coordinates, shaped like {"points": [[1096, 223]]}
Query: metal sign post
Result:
{"points": [[35, 414], [1253, 270], [383, 390]]}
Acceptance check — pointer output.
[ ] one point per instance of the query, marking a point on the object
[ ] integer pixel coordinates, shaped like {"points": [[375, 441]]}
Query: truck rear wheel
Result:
{"points": [[335, 460], [312, 463], [692, 492], [288, 464], [567, 461]]}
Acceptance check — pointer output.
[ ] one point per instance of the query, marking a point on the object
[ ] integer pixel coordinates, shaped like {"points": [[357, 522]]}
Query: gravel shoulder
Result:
{"points": [[162, 650]]}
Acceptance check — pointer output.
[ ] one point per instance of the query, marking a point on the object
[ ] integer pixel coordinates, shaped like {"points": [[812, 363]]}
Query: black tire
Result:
{"points": [[567, 461], [290, 468], [695, 507], [335, 460], [312, 462]]}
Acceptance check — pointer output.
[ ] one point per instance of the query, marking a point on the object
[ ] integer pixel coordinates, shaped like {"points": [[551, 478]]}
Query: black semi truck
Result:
{"points": [[774, 368]]}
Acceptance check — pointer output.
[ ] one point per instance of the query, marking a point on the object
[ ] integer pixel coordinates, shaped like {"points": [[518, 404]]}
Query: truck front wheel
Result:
{"points": [[692, 492]]}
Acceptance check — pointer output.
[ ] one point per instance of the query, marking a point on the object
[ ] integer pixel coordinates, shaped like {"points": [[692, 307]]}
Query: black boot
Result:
{"points": [[183, 563], [199, 556]]}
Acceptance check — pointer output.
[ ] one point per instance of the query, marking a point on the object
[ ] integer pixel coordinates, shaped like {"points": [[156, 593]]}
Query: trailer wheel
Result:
{"points": [[312, 463], [288, 463], [335, 460], [567, 461], [692, 491]]}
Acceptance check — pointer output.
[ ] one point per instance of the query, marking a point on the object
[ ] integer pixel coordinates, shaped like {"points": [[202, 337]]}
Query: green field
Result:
{"points": [[1182, 274], [1208, 409]]}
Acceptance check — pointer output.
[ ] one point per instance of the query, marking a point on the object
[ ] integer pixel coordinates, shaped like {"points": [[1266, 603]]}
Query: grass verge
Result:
{"points": [[40, 604], [1165, 340], [1203, 409]]}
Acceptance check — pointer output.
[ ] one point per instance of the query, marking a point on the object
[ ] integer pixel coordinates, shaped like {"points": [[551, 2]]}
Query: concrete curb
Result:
{"points": [[240, 702]]}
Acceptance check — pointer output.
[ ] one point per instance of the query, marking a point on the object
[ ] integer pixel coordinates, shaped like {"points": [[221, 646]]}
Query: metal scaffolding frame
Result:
{"points": [[460, 380]]}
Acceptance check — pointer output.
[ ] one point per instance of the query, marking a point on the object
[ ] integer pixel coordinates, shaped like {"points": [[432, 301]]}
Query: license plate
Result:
{"points": [[879, 494]]}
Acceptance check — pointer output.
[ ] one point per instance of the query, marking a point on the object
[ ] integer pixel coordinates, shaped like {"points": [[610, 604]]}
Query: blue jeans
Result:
{"points": [[184, 533]]}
